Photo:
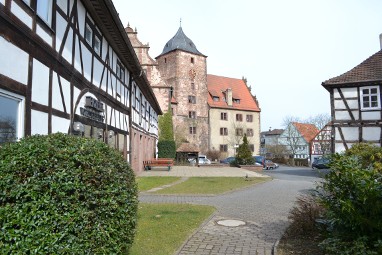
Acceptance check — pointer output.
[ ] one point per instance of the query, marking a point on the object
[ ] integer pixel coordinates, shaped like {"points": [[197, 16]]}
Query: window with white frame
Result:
{"points": [[370, 99], [11, 117]]}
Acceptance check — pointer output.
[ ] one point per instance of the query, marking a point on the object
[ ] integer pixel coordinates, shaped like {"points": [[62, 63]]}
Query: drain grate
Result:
{"points": [[231, 223]]}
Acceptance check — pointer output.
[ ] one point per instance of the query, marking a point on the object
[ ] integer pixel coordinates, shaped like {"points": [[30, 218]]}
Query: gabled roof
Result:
{"points": [[187, 147], [369, 70], [218, 85], [307, 131], [180, 42], [273, 132]]}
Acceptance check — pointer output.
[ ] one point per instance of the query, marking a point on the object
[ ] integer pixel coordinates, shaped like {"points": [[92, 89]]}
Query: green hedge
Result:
{"points": [[352, 195], [166, 149], [65, 195]]}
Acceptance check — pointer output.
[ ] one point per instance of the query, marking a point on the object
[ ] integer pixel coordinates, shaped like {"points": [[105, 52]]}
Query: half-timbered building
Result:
{"points": [[355, 99], [68, 66], [322, 142]]}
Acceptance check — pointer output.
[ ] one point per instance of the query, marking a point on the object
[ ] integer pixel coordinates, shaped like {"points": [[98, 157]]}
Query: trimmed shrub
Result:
{"points": [[244, 154], [166, 149], [62, 194], [352, 195], [166, 129]]}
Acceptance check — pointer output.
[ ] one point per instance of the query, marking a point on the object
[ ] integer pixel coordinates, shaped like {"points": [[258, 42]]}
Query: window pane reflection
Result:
{"points": [[9, 108]]}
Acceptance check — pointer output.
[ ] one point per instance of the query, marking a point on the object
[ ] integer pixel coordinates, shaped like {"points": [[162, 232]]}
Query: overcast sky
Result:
{"points": [[285, 49]]}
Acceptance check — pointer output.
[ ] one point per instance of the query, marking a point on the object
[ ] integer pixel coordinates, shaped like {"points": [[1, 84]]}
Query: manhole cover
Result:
{"points": [[231, 223]]}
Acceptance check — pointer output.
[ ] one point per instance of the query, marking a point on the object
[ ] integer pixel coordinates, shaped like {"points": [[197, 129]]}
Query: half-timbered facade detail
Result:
{"points": [[322, 142], [68, 66], [355, 98]]}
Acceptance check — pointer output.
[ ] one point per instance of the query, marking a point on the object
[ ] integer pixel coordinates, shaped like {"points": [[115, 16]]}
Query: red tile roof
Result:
{"points": [[188, 147], [219, 84], [307, 131], [369, 70]]}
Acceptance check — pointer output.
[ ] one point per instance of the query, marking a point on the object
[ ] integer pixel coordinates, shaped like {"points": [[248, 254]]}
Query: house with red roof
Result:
{"points": [[233, 112], [297, 138], [355, 99]]}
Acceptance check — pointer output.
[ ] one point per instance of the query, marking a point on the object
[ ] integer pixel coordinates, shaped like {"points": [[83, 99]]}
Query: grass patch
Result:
{"points": [[147, 183], [162, 228], [211, 185]]}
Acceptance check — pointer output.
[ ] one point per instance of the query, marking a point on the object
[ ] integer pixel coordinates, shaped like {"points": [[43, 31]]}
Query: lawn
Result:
{"points": [[162, 228], [211, 185], [147, 183]]}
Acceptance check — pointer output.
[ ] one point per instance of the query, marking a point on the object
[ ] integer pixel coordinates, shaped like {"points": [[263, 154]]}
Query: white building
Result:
{"points": [[297, 138], [68, 66], [355, 99]]}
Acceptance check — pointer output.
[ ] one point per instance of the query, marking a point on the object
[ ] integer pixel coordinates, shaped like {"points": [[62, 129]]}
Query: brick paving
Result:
{"points": [[264, 208]]}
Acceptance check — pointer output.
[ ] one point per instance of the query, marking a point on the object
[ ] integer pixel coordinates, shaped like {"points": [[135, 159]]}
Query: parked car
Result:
{"points": [[269, 164], [202, 160], [259, 160], [320, 163], [227, 160]]}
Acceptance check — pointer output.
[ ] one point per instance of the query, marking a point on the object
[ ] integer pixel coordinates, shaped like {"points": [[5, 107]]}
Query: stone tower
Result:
{"points": [[184, 70]]}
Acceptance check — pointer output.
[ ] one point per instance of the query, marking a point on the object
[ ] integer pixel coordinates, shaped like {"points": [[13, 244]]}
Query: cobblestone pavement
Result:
{"points": [[263, 207]]}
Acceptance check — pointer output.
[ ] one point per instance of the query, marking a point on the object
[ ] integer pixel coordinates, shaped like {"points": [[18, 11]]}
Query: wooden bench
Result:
{"points": [[160, 162]]}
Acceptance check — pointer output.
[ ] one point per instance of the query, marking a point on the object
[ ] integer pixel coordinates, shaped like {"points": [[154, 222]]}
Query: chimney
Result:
{"points": [[380, 41], [229, 97]]}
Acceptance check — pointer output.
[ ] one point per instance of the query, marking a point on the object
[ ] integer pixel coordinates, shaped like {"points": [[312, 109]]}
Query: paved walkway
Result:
{"points": [[263, 207]]}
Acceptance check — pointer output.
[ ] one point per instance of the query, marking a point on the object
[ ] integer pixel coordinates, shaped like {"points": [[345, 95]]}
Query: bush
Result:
{"points": [[244, 154], [304, 215], [213, 154], [352, 195], [65, 195], [166, 129], [166, 149]]}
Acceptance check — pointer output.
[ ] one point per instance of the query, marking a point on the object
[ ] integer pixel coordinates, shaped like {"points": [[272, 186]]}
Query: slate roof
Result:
{"points": [[180, 42], [307, 131], [217, 85], [369, 70], [273, 132]]}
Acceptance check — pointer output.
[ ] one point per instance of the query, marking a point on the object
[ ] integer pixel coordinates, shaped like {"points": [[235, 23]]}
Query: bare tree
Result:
{"points": [[323, 138], [319, 120], [291, 138], [7, 130], [236, 135], [276, 150]]}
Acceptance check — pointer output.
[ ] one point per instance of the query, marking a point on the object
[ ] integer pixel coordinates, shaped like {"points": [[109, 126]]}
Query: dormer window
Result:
{"points": [[236, 101], [216, 99]]}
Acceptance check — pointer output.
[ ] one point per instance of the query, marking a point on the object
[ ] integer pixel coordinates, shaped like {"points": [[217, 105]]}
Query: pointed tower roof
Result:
{"points": [[180, 42]]}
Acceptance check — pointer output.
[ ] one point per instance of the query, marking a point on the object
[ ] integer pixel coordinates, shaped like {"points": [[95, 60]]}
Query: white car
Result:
{"points": [[203, 160]]}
